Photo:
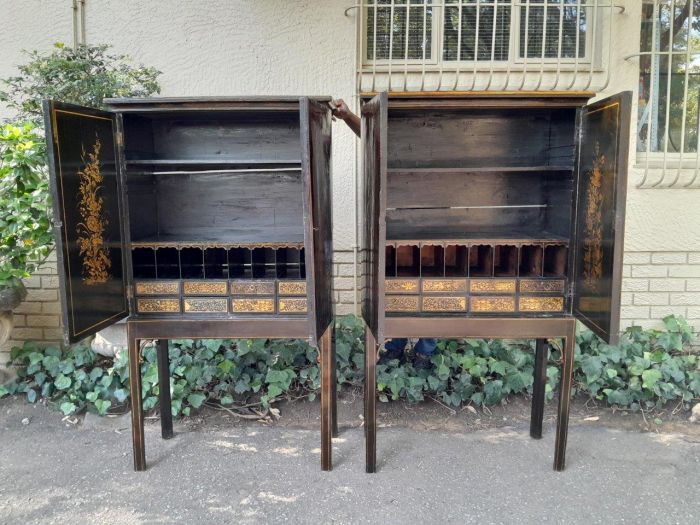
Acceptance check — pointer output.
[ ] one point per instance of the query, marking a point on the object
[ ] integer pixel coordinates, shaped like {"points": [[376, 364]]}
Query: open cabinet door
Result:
{"points": [[372, 252], [318, 219], [601, 190], [86, 189]]}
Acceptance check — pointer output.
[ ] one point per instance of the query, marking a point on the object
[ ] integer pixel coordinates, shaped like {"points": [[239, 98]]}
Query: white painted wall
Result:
{"points": [[275, 47]]}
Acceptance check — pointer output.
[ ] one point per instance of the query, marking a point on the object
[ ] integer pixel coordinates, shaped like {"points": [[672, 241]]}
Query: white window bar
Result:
{"points": [[663, 154], [425, 68]]}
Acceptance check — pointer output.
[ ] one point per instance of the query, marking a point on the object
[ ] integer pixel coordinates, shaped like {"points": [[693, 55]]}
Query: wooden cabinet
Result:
{"points": [[196, 207], [492, 215], [195, 218]]}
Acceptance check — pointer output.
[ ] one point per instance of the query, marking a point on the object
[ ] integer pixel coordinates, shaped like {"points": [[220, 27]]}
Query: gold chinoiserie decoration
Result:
{"points": [[492, 285], [293, 306], [252, 288], [541, 304], [401, 285], [157, 287], [206, 306], [91, 229], [153, 306], [444, 304], [593, 225], [408, 303], [291, 287], [541, 286], [258, 306], [205, 288], [444, 285], [492, 304]]}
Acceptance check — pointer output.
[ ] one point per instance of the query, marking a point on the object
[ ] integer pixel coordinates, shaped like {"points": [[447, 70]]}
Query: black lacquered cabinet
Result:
{"points": [[196, 218], [493, 215]]}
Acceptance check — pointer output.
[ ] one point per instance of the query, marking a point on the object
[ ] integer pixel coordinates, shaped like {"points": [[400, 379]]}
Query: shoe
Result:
{"points": [[389, 355]]}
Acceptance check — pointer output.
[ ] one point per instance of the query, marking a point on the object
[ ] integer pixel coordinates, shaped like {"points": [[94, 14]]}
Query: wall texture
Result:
{"points": [[270, 47]]}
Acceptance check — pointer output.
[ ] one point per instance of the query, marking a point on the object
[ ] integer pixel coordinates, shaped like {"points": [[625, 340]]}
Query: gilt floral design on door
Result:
{"points": [[593, 227], [91, 230]]}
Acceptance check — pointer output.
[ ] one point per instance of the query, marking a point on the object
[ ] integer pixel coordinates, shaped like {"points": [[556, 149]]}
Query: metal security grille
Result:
{"points": [[465, 45], [668, 125]]}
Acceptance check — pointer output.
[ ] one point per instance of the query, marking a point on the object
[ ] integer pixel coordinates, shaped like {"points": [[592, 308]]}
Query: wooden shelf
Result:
{"points": [[485, 169], [208, 162], [413, 235], [252, 239]]}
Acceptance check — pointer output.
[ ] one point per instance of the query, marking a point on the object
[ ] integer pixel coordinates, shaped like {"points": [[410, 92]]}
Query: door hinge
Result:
{"points": [[570, 290], [119, 139], [129, 292]]}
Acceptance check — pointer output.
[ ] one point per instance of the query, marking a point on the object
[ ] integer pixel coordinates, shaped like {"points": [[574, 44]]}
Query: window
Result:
{"points": [[403, 30], [481, 30], [669, 83]]}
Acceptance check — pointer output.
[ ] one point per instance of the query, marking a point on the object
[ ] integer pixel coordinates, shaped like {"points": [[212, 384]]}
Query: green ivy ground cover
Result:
{"points": [[647, 369]]}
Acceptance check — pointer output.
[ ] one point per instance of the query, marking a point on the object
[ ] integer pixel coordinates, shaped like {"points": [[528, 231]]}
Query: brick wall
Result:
{"points": [[38, 318], [656, 284], [344, 282]]}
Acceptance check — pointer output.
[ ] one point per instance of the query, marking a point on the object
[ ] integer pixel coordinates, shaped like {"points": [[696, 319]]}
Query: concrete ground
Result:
{"points": [[54, 472]]}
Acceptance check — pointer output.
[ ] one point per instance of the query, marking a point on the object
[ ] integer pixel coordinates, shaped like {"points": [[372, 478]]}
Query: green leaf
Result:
{"points": [[68, 408], [196, 400], [121, 394], [611, 372], [227, 400], [650, 377], [63, 382], [102, 406], [31, 395]]}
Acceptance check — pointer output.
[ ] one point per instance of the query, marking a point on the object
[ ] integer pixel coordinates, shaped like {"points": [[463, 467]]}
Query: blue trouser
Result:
{"points": [[424, 346]]}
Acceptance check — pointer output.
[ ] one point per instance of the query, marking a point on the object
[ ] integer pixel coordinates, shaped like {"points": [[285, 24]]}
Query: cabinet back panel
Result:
{"points": [[254, 206], [481, 138], [229, 137], [143, 216]]}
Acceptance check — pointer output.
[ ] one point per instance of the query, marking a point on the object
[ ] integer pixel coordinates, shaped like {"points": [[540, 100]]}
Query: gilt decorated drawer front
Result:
{"points": [[291, 288], [401, 286], [542, 286], [205, 305], [158, 306], [443, 285], [541, 304], [444, 304], [292, 305], [492, 304], [253, 305], [490, 286], [205, 288], [402, 303], [252, 287], [157, 287]]}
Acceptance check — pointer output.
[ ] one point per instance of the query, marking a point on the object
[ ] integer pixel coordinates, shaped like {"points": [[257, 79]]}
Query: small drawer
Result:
{"points": [[444, 285], [205, 305], [402, 303], [252, 287], [541, 304], [158, 306], [401, 285], [542, 286], [292, 306], [444, 304], [492, 286], [205, 288], [291, 287], [253, 305], [157, 287], [492, 304]]}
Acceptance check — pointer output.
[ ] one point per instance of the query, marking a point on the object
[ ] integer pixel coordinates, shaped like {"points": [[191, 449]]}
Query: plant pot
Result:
{"points": [[12, 296]]}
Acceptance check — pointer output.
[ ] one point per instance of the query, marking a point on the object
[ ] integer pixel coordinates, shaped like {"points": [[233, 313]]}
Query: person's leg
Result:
{"points": [[425, 346], [393, 349]]}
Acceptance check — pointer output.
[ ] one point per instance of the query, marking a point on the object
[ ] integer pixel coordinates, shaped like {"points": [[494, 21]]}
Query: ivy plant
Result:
{"points": [[647, 369]]}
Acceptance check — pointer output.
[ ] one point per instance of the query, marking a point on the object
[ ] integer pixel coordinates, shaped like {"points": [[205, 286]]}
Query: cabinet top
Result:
{"points": [[484, 99], [269, 103]]}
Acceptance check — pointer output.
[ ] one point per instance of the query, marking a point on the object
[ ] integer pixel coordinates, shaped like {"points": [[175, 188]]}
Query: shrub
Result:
{"points": [[648, 368], [85, 76], [25, 227]]}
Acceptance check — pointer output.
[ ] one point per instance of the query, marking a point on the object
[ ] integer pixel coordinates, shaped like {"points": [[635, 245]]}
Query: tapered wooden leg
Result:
{"points": [[370, 402], [166, 416], [326, 401], [136, 403], [334, 386], [567, 369], [538, 388]]}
